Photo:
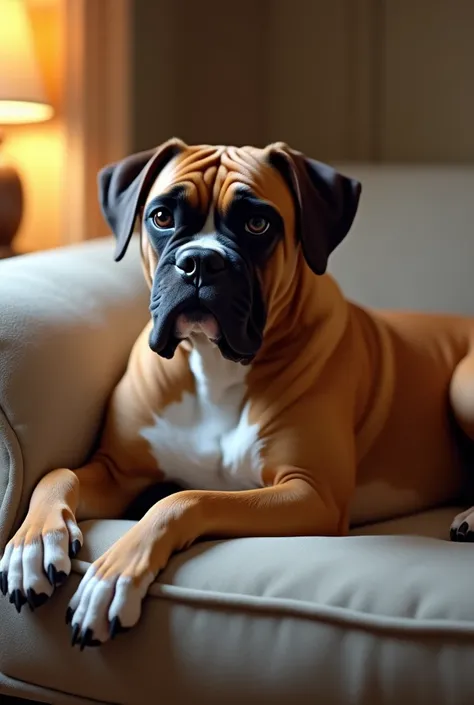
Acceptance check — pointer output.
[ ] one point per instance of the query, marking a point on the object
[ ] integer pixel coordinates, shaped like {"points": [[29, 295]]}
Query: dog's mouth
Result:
{"points": [[197, 321], [231, 315]]}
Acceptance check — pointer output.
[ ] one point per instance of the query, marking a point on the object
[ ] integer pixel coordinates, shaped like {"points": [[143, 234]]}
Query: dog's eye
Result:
{"points": [[257, 225], [163, 218]]}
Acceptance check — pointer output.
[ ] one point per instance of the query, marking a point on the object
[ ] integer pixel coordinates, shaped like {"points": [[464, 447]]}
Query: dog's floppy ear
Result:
{"points": [[326, 203], [124, 185]]}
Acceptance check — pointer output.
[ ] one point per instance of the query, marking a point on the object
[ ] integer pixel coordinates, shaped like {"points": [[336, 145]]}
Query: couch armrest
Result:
{"points": [[68, 319]]}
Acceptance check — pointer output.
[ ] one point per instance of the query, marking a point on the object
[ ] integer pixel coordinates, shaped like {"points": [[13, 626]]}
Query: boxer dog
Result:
{"points": [[280, 407]]}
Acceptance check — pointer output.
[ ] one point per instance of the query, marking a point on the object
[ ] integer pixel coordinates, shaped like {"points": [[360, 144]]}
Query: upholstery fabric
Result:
{"points": [[362, 619], [68, 319], [380, 617]]}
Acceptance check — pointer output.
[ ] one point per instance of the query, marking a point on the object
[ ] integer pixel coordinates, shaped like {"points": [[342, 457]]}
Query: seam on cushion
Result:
{"points": [[302, 609], [43, 691], [341, 616], [15, 475]]}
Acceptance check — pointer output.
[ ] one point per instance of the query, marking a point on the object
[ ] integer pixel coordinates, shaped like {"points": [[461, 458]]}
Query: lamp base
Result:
{"points": [[11, 207]]}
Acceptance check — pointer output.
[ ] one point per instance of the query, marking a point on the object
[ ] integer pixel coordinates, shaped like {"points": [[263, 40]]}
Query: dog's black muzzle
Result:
{"points": [[198, 281]]}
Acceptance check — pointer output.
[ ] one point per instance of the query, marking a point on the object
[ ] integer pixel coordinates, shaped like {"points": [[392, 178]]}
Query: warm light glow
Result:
{"points": [[18, 111], [22, 94]]}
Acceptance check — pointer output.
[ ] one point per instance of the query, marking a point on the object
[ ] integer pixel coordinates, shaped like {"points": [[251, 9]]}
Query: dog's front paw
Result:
{"points": [[462, 528], [109, 597], [38, 557]]}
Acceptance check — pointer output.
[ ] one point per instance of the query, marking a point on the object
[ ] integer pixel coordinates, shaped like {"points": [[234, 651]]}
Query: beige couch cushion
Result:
{"points": [[68, 319], [362, 620]]}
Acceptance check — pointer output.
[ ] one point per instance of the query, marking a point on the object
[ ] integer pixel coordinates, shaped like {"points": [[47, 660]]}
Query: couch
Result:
{"points": [[381, 617]]}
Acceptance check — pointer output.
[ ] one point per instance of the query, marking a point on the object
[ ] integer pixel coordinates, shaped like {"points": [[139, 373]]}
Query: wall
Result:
{"points": [[379, 80], [38, 151], [198, 71], [370, 80]]}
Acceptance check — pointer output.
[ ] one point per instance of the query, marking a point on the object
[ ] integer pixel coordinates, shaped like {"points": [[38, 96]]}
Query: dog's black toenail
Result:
{"points": [[56, 577], [86, 639], [116, 628], [52, 574], [4, 582], [69, 615], [463, 529], [61, 577], [74, 548], [30, 600], [18, 599], [35, 600], [453, 535], [76, 630]]}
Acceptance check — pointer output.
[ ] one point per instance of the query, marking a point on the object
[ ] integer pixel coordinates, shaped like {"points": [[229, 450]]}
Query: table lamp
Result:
{"points": [[22, 100]]}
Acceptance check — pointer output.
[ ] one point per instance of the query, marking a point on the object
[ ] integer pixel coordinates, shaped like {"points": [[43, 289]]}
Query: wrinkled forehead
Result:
{"points": [[213, 176]]}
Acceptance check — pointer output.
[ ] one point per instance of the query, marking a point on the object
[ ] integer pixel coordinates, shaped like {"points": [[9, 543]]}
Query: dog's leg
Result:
{"points": [[38, 557], [109, 597], [462, 403]]}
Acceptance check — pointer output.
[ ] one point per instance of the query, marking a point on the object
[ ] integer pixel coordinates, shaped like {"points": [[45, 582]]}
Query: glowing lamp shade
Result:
{"points": [[22, 94]]}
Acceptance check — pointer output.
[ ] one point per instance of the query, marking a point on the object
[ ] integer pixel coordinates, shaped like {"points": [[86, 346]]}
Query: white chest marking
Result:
{"points": [[205, 441]]}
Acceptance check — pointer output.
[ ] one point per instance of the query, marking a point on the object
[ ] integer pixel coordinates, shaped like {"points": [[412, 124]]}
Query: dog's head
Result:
{"points": [[222, 231]]}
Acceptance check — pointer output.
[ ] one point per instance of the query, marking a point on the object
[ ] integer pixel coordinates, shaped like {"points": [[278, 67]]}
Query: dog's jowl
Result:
{"points": [[280, 407]]}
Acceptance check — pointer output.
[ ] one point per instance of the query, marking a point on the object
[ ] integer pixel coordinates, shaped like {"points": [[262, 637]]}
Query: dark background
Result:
{"points": [[365, 80]]}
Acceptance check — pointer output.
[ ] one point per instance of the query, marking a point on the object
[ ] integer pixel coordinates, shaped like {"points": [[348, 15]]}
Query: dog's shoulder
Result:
{"points": [[148, 388]]}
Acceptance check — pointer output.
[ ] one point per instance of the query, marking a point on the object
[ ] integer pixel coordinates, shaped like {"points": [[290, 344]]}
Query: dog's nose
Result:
{"points": [[200, 265]]}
